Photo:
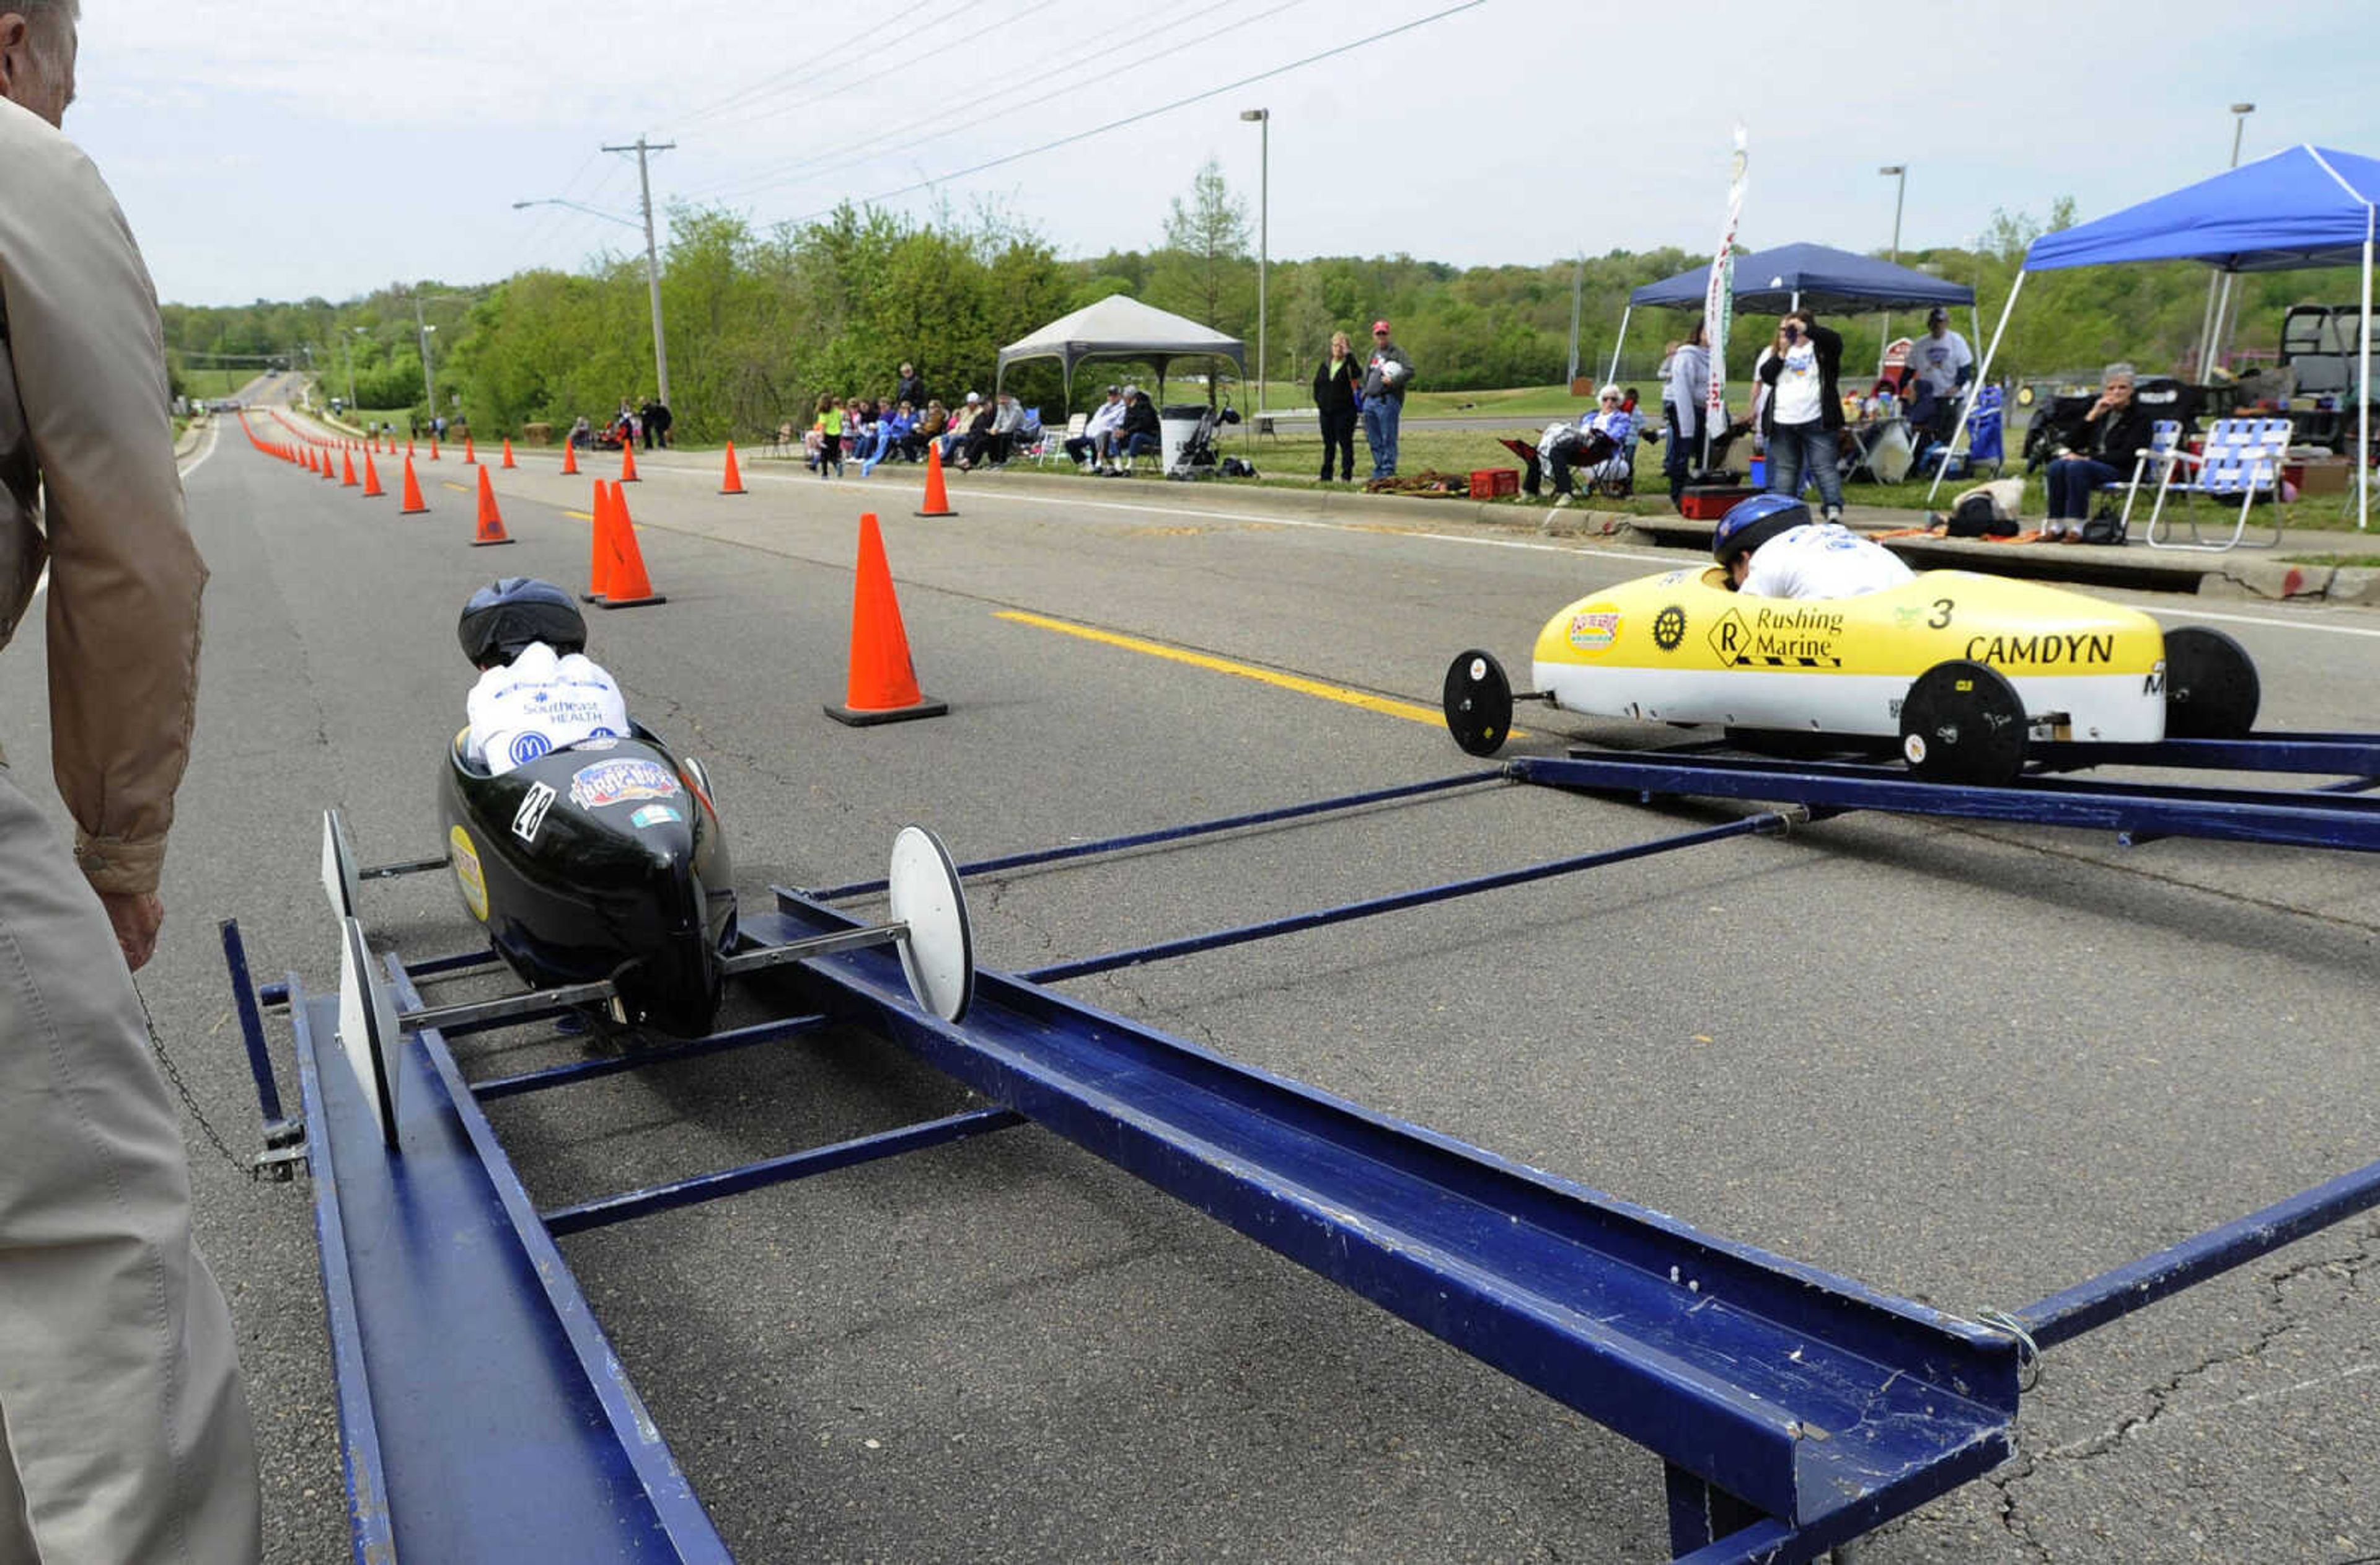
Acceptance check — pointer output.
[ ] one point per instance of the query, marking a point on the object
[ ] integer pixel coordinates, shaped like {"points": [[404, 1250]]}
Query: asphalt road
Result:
{"points": [[1969, 1066]]}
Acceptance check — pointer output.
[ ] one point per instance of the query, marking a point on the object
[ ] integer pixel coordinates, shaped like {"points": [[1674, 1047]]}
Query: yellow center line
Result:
{"points": [[457, 488], [580, 516], [1384, 704]]}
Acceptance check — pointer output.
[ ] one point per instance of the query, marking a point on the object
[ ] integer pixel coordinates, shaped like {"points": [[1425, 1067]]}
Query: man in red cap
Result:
{"points": [[1387, 374]]}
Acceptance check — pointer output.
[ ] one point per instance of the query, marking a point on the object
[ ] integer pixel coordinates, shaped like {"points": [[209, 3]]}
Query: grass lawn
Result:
{"points": [[206, 384]]}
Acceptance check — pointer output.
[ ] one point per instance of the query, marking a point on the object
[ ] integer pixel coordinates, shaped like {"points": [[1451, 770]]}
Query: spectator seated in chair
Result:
{"points": [[1092, 446]]}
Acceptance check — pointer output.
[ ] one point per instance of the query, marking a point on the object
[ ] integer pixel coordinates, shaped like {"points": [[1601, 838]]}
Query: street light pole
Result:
{"points": [[652, 255], [1263, 118], [1899, 173], [421, 334], [2219, 283]]}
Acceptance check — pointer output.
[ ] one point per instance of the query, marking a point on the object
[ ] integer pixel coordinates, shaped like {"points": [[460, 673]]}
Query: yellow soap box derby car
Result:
{"points": [[1961, 670]]}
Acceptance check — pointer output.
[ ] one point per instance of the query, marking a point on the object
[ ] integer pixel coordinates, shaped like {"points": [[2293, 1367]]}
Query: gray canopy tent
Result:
{"points": [[1122, 327]]}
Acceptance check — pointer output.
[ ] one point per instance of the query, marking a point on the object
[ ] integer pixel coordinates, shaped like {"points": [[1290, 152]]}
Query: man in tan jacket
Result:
{"points": [[123, 1434]]}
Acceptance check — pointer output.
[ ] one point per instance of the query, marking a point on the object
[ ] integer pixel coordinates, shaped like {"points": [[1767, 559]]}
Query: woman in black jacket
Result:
{"points": [[2100, 448], [1804, 409], [1334, 393]]}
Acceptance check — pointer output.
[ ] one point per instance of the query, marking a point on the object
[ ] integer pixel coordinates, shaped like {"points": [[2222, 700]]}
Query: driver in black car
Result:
{"points": [[538, 692]]}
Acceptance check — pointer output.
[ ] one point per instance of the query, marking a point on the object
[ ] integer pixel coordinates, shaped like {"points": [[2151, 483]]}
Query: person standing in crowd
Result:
{"points": [[2099, 448], [911, 388], [1804, 409], [1942, 366], [1387, 376], [1683, 395], [657, 424], [645, 422], [1336, 385], [124, 1434], [828, 430]]}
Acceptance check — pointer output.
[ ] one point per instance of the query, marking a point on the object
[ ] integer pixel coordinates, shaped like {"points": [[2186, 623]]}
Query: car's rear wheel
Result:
{"points": [[2211, 688], [1478, 703], [1963, 722]]}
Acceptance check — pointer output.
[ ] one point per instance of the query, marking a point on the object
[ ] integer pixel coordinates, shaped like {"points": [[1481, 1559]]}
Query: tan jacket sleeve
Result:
{"points": [[125, 577]]}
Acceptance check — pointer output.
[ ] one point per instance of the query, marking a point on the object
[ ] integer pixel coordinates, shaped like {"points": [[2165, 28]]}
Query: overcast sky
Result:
{"points": [[280, 148]]}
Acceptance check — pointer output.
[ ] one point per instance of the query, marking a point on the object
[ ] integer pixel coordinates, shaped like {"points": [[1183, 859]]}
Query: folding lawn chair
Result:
{"points": [[2242, 458], [2154, 461], [1055, 445]]}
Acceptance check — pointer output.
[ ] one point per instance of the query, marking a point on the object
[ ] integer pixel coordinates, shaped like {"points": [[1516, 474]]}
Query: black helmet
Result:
{"points": [[1751, 523], [505, 617]]}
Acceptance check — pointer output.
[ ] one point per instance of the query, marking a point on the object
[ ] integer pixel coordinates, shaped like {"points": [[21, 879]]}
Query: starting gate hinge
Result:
{"points": [[284, 1154]]}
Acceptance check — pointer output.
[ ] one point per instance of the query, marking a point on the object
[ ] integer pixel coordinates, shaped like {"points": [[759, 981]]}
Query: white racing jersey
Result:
{"points": [[539, 703], [1822, 559]]}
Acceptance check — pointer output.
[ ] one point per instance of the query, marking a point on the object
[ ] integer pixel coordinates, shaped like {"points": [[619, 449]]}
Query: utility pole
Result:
{"points": [[653, 254], [1899, 173], [421, 339], [1577, 290]]}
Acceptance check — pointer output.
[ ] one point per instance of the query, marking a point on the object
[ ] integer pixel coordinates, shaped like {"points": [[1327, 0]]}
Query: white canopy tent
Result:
{"points": [[2301, 207], [1122, 327]]}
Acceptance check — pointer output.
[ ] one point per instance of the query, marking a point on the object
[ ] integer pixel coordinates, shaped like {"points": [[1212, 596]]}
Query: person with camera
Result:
{"points": [[1804, 409], [2097, 449], [1388, 375]]}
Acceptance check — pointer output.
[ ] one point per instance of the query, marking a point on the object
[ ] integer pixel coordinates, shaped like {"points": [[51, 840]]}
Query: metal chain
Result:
{"points": [[181, 1088]]}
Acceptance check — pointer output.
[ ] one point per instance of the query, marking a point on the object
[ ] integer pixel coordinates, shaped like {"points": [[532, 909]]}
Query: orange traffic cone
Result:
{"points": [[346, 469], [508, 461], [408, 448], [734, 482], [413, 505], [470, 453], [938, 499], [598, 551], [371, 480], [433, 448], [883, 682], [491, 522], [625, 585], [306, 458], [628, 461], [569, 459]]}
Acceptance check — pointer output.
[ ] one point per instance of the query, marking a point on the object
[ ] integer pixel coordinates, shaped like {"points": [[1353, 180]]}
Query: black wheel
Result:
{"points": [[1478, 703], [1962, 723], [2211, 688]]}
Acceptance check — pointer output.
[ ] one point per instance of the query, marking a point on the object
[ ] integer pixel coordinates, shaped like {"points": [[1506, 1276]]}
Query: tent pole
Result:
{"points": [[1613, 373], [2363, 392], [1975, 386]]}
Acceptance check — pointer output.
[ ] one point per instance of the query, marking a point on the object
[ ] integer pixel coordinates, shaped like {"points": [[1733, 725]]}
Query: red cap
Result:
{"points": [[1379, 327]]}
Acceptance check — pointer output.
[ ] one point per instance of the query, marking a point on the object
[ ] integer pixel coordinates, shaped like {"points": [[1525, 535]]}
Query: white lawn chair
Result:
{"points": [[1054, 445], [2155, 463], [2242, 458]]}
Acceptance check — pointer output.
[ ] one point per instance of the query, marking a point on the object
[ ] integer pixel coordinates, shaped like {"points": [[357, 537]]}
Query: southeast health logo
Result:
{"points": [[528, 746]]}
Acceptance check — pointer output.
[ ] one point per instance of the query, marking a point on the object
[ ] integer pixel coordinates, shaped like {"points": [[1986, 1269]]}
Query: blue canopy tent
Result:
{"points": [[2303, 207], [1797, 277]]}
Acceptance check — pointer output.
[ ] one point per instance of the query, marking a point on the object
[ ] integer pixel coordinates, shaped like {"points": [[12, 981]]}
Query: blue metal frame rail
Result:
{"points": [[1816, 1402], [482, 1412], [2299, 817]]}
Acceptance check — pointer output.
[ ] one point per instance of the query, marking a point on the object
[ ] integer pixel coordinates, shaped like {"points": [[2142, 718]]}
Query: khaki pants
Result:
{"points": [[122, 1435]]}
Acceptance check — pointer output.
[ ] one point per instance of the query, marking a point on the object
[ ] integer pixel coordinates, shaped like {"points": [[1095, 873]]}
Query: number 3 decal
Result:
{"points": [[1941, 613]]}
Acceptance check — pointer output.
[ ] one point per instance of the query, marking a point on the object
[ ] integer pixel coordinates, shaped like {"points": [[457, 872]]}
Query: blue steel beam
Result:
{"points": [[588, 1070], [577, 1219], [2284, 817], [251, 1029], [1397, 902], [1180, 834], [2326, 755], [484, 1414], [2088, 1305], [1807, 1394]]}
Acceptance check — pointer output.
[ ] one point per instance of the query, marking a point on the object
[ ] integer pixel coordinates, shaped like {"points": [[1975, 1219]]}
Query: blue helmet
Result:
{"points": [[1751, 523], [505, 617]]}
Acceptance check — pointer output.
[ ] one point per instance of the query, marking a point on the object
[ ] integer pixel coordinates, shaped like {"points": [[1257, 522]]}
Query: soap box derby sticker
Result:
{"points": [[1593, 629], [617, 781]]}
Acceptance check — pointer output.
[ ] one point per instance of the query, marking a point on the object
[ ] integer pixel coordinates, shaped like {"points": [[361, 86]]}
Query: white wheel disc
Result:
{"points": [[938, 953], [368, 1025]]}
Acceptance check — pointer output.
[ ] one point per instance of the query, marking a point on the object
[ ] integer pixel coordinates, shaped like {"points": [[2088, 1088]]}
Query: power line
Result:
{"points": [[1151, 114], [753, 185], [902, 64]]}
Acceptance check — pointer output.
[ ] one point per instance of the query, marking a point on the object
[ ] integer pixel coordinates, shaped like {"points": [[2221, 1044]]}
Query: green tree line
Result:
{"points": [[761, 323]]}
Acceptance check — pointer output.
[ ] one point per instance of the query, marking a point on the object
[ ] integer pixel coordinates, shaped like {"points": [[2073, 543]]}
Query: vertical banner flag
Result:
{"points": [[1718, 299]]}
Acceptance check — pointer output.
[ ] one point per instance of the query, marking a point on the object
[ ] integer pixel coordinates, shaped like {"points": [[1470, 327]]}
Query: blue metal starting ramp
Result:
{"points": [[484, 1414]]}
